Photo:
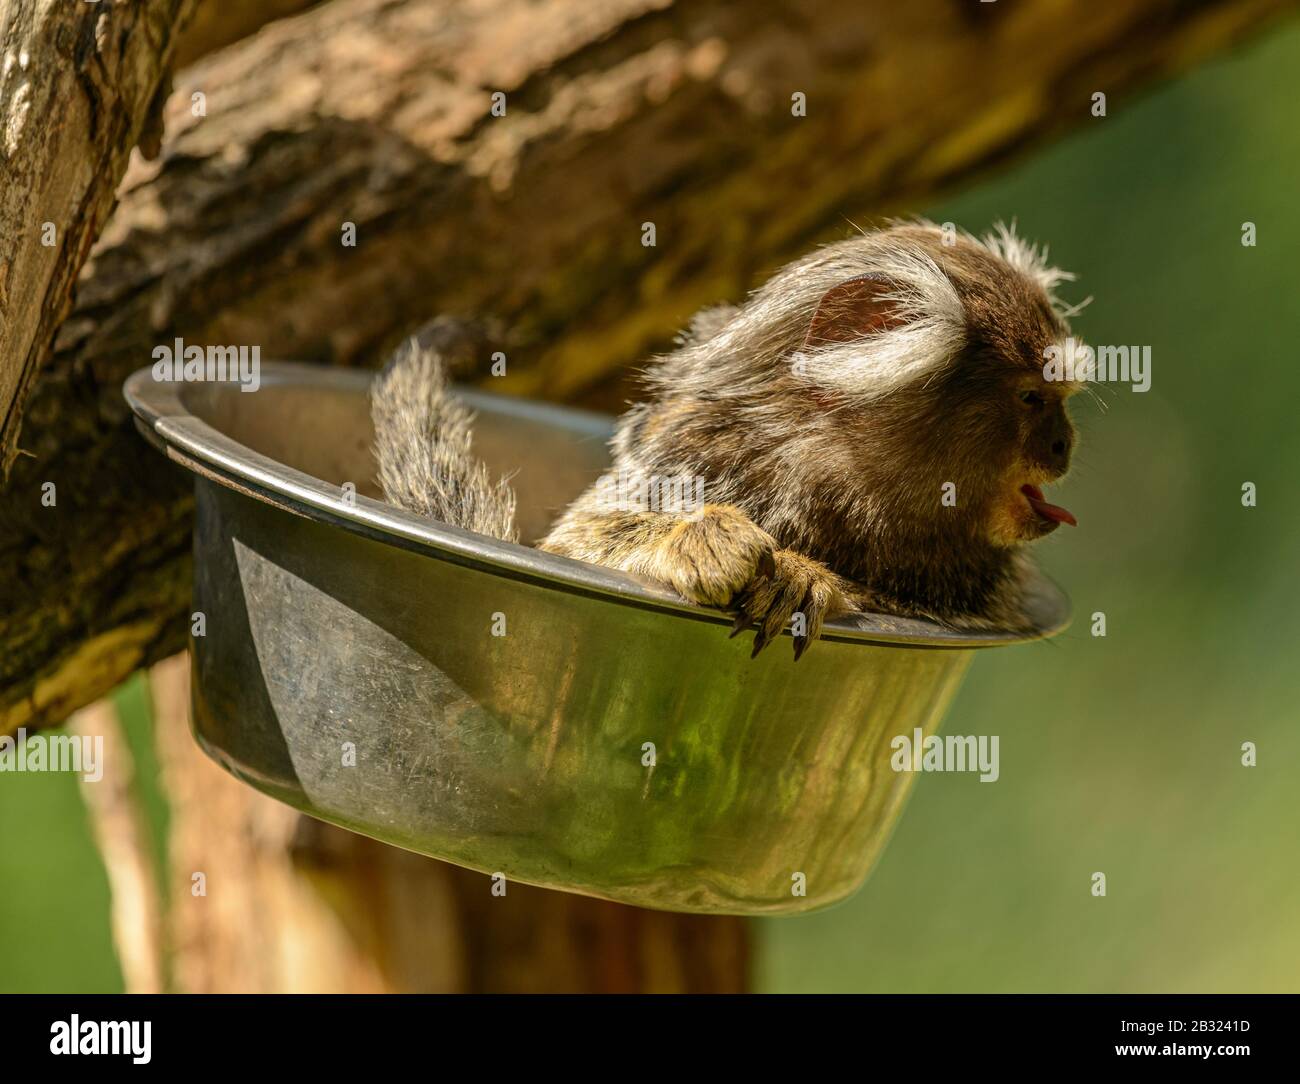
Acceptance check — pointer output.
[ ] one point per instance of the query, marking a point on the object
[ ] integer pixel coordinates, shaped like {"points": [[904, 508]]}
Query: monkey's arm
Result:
{"points": [[716, 556]]}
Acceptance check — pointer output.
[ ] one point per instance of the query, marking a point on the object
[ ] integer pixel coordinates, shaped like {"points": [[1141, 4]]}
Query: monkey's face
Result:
{"points": [[1016, 414], [971, 450], [949, 345], [999, 428], [1037, 439]]}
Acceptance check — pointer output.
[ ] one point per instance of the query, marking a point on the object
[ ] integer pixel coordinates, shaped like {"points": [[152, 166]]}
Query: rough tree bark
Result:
{"points": [[377, 113], [218, 23], [80, 85]]}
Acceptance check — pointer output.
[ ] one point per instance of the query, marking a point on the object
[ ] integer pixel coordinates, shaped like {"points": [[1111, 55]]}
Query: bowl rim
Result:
{"points": [[163, 418]]}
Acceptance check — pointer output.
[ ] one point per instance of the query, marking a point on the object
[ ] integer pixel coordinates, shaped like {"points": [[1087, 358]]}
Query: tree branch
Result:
{"points": [[218, 23], [76, 85]]}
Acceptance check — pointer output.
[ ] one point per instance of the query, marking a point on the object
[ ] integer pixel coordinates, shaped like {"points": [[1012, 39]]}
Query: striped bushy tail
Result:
{"points": [[423, 434]]}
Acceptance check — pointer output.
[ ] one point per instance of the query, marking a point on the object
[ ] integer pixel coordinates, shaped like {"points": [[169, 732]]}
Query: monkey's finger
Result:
{"points": [[778, 614], [757, 602], [813, 608], [757, 597], [748, 605]]}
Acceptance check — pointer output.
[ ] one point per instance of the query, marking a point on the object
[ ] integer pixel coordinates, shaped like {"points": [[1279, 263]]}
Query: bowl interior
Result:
{"points": [[325, 430]]}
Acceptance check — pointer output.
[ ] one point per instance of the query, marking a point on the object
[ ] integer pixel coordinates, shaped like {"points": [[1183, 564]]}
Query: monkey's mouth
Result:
{"points": [[1044, 510]]}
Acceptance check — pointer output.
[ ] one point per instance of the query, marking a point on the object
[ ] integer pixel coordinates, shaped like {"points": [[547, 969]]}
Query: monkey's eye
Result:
{"points": [[1032, 398]]}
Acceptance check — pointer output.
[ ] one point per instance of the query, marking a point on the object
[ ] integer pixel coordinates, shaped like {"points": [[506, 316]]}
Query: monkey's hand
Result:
{"points": [[707, 557], [711, 557], [717, 556], [799, 592]]}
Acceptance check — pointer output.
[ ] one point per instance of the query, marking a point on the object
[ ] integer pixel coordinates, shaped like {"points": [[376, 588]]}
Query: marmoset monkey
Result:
{"points": [[870, 430]]}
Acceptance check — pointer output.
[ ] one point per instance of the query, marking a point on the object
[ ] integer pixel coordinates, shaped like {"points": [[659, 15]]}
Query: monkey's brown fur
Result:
{"points": [[827, 418]]}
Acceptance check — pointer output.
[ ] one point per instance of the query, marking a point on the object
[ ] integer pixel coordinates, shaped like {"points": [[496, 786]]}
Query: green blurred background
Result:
{"points": [[1119, 754]]}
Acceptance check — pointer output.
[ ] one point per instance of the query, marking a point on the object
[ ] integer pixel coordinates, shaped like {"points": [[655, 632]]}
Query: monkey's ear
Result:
{"points": [[876, 332], [854, 309]]}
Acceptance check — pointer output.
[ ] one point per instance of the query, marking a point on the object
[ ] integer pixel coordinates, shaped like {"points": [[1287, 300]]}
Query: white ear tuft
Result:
{"points": [[915, 324]]}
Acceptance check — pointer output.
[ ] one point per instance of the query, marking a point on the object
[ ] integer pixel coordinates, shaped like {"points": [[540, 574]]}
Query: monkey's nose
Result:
{"points": [[1059, 458]]}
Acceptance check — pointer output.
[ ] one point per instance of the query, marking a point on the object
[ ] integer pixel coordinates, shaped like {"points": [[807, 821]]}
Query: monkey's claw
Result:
{"points": [[799, 590]]}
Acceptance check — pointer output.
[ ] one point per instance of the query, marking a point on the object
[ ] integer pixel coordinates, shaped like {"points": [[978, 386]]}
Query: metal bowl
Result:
{"points": [[509, 710]]}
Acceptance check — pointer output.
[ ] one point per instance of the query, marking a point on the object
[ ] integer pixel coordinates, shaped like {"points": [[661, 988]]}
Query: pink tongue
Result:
{"points": [[1053, 512]]}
